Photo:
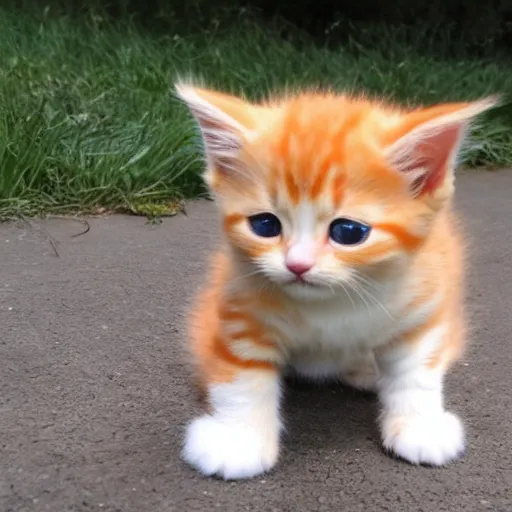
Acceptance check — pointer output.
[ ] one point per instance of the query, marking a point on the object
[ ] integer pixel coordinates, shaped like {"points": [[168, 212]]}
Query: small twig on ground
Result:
{"points": [[87, 228], [84, 222], [54, 248], [49, 238]]}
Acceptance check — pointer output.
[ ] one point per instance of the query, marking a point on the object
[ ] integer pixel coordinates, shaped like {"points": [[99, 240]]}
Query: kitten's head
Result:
{"points": [[318, 190]]}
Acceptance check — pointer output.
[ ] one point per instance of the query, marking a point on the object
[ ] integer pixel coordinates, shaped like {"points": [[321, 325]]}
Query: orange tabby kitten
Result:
{"points": [[341, 259]]}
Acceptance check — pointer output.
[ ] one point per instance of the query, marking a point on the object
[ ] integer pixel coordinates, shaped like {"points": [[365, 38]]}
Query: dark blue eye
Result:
{"points": [[265, 224], [348, 231]]}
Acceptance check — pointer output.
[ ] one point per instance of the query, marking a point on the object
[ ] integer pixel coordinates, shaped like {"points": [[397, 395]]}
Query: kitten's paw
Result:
{"points": [[433, 440], [229, 450]]}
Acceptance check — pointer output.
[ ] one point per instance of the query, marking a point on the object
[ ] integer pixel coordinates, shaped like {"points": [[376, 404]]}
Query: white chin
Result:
{"points": [[306, 291]]}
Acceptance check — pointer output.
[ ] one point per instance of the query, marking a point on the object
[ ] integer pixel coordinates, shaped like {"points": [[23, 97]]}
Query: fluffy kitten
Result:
{"points": [[341, 259]]}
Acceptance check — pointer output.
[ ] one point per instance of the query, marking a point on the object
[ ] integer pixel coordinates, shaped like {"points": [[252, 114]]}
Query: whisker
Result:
{"points": [[358, 289], [246, 276], [371, 283], [359, 284], [330, 281]]}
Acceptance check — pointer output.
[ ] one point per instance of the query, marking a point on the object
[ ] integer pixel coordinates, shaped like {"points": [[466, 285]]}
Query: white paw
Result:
{"points": [[228, 449], [433, 440]]}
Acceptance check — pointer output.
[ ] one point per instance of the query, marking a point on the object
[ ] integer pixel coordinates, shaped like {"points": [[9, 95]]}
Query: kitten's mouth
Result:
{"points": [[300, 281]]}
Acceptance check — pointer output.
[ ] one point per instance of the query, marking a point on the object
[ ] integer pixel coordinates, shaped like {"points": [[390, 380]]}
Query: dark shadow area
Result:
{"points": [[333, 412], [480, 27]]}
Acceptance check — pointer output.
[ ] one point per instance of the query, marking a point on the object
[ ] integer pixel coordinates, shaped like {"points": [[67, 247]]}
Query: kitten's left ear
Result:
{"points": [[425, 144]]}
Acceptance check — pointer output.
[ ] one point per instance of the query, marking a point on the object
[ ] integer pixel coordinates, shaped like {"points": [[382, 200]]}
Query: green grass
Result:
{"points": [[88, 118]]}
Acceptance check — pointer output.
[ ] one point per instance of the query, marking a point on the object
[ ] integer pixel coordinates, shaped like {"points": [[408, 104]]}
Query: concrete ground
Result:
{"points": [[95, 390]]}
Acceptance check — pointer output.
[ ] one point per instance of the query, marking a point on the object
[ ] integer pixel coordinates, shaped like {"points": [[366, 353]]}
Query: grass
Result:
{"points": [[88, 119]]}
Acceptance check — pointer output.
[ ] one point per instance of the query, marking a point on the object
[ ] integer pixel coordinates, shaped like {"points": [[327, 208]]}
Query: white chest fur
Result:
{"points": [[341, 324], [355, 324]]}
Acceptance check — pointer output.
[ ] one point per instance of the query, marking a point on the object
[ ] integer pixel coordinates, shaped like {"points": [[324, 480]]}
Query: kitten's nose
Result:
{"points": [[298, 267], [301, 257]]}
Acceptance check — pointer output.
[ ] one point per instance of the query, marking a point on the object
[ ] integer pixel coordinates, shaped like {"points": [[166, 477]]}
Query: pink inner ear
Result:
{"points": [[433, 154], [218, 141], [222, 142]]}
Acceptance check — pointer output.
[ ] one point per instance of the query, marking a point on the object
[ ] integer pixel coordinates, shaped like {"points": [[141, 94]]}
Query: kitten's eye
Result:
{"points": [[348, 231], [265, 224]]}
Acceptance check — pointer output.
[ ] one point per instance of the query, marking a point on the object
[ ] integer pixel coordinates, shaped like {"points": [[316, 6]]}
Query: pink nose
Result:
{"points": [[298, 267]]}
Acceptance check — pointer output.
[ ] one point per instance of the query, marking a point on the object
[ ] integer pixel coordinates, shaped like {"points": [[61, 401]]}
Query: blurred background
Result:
{"points": [[89, 121]]}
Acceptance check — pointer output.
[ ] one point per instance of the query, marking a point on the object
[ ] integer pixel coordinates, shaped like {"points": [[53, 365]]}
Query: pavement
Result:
{"points": [[95, 388]]}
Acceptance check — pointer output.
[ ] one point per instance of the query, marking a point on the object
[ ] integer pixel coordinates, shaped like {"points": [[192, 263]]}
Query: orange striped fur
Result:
{"points": [[366, 312]]}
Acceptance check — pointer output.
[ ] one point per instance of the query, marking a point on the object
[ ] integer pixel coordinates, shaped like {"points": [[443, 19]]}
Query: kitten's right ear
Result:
{"points": [[226, 123]]}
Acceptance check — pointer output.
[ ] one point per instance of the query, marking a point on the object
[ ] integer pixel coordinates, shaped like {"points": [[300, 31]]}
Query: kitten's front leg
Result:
{"points": [[414, 423], [240, 436]]}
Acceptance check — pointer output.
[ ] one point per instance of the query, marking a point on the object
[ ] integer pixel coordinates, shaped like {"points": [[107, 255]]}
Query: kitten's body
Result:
{"points": [[384, 314]]}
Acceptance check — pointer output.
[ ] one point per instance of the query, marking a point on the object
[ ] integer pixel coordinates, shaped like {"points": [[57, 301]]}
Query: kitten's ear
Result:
{"points": [[425, 144], [225, 122]]}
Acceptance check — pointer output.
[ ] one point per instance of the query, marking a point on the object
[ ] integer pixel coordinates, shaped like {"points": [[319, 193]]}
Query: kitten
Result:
{"points": [[342, 258]]}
